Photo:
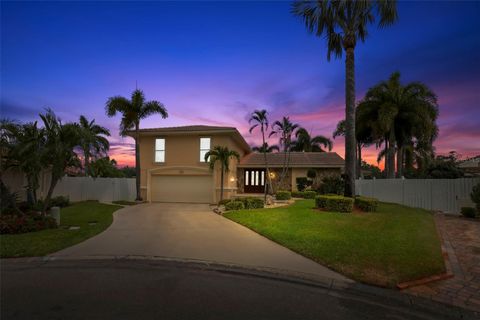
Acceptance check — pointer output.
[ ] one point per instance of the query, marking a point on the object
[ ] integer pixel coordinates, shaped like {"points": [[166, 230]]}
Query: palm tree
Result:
{"points": [[222, 155], [259, 118], [286, 129], [60, 142], [343, 23], [25, 154], [363, 137], [400, 116], [132, 112], [93, 141], [266, 148], [306, 143]]}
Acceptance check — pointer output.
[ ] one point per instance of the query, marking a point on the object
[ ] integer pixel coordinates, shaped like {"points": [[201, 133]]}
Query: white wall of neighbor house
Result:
{"points": [[447, 195]]}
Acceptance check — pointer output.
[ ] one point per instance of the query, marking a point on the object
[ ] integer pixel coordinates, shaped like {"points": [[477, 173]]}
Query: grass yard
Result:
{"points": [[393, 245], [92, 218]]}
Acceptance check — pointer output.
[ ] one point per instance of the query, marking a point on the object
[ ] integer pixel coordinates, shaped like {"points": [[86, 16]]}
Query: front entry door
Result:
{"points": [[254, 180]]}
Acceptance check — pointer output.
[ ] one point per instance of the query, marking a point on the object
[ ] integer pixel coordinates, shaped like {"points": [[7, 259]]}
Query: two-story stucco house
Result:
{"points": [[173, 168]]}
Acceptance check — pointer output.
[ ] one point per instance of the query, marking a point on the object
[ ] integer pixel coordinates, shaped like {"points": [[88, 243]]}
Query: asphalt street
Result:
{"points": [[155, 289]]}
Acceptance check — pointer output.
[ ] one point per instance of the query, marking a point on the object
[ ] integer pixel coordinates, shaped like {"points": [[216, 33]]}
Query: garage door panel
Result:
{"points": [[189, 189]]}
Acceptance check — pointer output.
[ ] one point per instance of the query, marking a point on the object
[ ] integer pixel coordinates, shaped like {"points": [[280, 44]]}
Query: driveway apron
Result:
{"points": [[191, 231]]}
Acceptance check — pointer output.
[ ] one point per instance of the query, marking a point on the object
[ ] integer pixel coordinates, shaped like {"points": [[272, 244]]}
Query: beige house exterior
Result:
{"points": [[173, 167]]}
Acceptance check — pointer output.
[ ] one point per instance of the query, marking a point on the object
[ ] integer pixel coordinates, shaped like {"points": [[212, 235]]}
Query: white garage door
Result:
{"points": [[192, 189]]}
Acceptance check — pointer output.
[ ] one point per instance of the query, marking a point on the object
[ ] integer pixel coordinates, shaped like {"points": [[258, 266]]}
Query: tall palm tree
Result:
{"points": [[343, 23], [60, 142], [399, 116], [93, 141], [259, 119], [133, 111], [266, 148], [306, 143], [222, 155], [285, 129]]}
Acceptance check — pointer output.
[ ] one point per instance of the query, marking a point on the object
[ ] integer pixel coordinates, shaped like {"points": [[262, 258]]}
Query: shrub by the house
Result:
{"points": [[468, 212], [224, 202], [332, 185], [297, 194], [302, 183], [334, 203], [253, 203], [234, 205], [366, 204], [283, 195], [309, 194]]}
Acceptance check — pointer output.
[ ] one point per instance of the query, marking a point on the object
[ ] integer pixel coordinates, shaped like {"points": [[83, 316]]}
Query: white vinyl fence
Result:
{"points": [[101, 189], [447, 195]]}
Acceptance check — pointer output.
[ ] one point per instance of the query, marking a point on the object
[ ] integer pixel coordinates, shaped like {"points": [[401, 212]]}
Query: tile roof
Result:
{"points": [[188, 128], [297, 159]]}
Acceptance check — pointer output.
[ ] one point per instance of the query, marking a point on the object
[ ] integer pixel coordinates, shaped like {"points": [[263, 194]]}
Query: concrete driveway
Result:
{"points": [[191, 231]]}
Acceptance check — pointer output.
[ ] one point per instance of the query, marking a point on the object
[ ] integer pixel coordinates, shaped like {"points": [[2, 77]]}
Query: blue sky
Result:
{"points": [[215, 62]]}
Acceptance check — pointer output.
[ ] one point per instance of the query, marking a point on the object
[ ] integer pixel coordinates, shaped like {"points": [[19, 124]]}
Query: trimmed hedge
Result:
{"points": [[309, 194], [366, 204], [468, 212], [334, 203], [253, 203], [298, 194], [224, 202], [234, 205], [283, 195]]}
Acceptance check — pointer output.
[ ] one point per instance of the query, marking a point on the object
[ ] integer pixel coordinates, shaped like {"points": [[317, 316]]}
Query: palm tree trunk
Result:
{"points": [[137, 161], [53, 183], [400, 162], [350, 145], [87, 165], [359, 162], [391, 155], [221, 184], [269, 179]]}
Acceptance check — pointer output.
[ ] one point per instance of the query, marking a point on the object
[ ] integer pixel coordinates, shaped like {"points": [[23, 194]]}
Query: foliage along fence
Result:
{"points": [[447, 195], [76, 188]]}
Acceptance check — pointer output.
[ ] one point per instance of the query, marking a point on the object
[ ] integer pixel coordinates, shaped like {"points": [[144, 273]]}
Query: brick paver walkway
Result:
{"points": [[461, 241]]}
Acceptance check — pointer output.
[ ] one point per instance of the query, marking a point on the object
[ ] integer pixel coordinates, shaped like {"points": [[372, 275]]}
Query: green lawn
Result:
{"points": [[393, 245], [40, 243]]}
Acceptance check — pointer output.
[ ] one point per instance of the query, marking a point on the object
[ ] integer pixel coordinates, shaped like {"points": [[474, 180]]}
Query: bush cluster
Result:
{"points": [[332, 185], [13, 224], [334, 203], [366, 204], [309, 194], [297, 194], [248, 203], [468, 212], [283, 195], [234, 205]]}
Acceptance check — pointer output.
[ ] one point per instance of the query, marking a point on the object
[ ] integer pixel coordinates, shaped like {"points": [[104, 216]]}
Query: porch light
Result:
{"points": [[272, 175], [232, 179]]}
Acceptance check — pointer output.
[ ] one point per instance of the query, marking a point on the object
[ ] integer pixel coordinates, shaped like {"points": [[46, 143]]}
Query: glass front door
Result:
{"points": [[254, 180]]}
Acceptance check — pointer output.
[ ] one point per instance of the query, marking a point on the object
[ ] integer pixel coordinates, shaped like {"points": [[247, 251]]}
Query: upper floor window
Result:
{"points": [[160, 150], [204, 148]]}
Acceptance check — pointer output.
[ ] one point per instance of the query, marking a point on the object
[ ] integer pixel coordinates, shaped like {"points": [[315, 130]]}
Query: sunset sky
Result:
{"points": [[213, 63]]}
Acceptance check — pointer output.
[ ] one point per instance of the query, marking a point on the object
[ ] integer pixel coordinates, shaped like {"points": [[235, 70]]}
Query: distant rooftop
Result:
{"points": [[297, 159], [188, 128]]}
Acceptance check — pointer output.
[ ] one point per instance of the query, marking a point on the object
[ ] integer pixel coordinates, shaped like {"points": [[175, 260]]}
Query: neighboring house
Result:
{"points": [[471, 167], [173, 167]]}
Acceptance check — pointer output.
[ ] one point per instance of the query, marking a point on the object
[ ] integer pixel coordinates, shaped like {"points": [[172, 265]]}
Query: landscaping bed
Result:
{"points": [[392, 245], [79, 222]]}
